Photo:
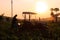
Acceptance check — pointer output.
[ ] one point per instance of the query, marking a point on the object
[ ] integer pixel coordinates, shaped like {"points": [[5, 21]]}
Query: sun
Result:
{"points": [[41, 7]]}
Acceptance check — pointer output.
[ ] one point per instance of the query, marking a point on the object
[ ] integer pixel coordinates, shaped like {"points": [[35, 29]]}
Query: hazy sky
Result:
{"points": [[25, 5]]}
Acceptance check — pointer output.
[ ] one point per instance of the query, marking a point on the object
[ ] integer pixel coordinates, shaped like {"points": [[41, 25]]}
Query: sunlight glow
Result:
{"points": [[41, 7]]}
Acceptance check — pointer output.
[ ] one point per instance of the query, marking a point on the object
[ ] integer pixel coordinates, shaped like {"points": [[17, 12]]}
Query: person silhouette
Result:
{"points": [[15, 23]]}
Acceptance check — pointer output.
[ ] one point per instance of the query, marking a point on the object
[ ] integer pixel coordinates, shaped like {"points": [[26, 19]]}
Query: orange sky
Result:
{"points": [[25, 5]]}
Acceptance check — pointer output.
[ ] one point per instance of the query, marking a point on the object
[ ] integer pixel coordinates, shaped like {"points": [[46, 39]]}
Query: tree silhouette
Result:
{"points": [[52, 13], [56, 10]]}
